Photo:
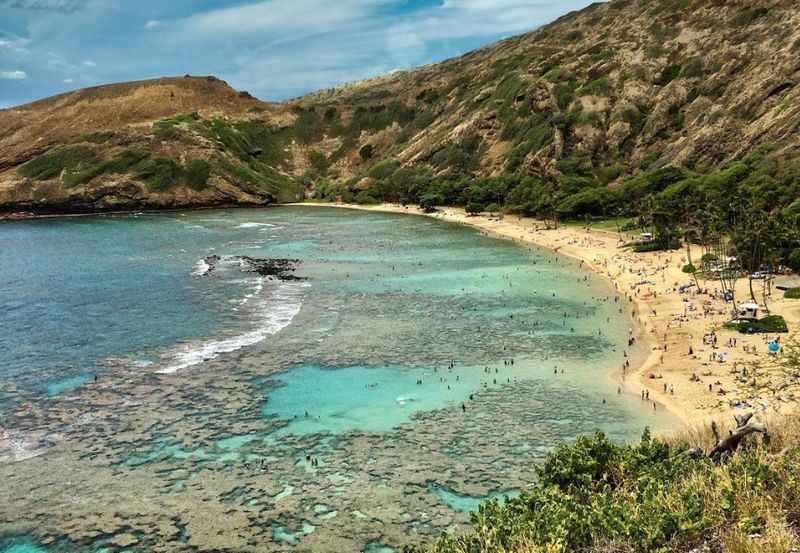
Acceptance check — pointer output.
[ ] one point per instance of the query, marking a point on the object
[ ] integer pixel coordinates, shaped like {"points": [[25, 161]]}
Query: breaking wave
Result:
{"points": [[274, 307], [255, 225]]}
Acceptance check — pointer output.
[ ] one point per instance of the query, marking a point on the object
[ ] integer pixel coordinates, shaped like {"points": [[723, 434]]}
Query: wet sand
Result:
{"points": [[715, 380]]}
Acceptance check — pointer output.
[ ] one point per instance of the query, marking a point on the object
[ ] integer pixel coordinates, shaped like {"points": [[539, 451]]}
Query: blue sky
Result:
{"points": [[275, 49]]}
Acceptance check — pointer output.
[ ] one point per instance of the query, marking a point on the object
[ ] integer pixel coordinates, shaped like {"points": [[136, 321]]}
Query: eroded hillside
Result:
{"points": [[620, 89]]}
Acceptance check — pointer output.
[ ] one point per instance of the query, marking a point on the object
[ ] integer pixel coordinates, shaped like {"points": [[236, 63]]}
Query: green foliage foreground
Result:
{"points": [[595, 495]]}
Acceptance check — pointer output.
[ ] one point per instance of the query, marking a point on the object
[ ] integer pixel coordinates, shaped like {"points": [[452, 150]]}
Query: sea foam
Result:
{"points": [[254, 225], [275, 309], [201, 268]]}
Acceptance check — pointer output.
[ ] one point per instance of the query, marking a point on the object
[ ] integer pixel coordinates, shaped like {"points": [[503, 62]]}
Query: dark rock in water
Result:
{"points": [[282, 269], [211, 261]]}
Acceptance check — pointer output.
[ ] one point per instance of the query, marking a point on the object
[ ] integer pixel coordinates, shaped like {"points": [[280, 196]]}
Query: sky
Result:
{"points": [[275, 49]]}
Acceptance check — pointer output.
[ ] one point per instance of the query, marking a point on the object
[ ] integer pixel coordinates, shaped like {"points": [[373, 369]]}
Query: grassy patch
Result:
{"points": [[261, 178], [163, 173], [122, 163], [654, 246], [50, 164]]}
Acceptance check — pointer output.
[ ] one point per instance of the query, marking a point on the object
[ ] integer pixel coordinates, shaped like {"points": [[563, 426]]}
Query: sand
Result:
{"points": [[713, 381]]}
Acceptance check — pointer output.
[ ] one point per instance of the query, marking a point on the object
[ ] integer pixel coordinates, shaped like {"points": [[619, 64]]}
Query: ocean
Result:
{"points": [[400, 371]]}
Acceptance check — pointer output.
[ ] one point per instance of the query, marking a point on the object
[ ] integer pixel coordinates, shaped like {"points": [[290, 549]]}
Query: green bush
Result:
{"points": [[669, 74], [196, 173], [654, 246], [769, 324], [366, 152], [643, 497], [474, 208], [160, 173], [429, 201], [792, 294], [689, 269], [793, 259]]}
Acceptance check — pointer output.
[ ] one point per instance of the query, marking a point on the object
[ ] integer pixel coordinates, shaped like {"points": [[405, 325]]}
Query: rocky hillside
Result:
{"points": [[149, 144], [617, 90]]}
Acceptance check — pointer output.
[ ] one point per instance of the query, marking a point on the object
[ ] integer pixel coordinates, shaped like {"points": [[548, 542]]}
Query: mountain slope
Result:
{"points": [[124, 147], [583, 104]]}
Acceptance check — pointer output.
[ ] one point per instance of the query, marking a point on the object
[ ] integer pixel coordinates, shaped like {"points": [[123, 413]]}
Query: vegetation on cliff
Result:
{"points": [[715, 489], [594, 495]]}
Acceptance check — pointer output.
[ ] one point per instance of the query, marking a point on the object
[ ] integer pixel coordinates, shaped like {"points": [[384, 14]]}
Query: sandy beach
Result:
{"points": [[695, 368]]}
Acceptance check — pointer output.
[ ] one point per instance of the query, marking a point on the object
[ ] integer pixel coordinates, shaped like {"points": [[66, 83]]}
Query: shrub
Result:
{"points": [[163, 173], [793, 259], [366, 152], [669, 74], [122, 163], [474, 208], [598, 87], [196, 173], [383, 169], [689, 269], [749, 16], [160, 173], [50, 164], [429, 201], [319, 162], [643, 497], [792, 294], [654, 246], [769, 324]]}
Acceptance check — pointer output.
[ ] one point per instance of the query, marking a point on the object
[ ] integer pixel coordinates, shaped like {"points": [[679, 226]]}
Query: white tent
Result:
{"points": [[748, 310]]}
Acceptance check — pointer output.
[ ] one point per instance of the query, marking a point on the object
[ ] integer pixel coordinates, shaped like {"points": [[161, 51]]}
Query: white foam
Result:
{"points": [[15, 446], [274, 312], [254, 225], [201, 268]]}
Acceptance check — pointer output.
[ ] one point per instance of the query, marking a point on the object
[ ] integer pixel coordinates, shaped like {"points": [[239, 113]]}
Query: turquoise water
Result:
{"points": [[77, 294], [24, 547], [415, 362], [465, 503], [374, 399], [68, 384]]}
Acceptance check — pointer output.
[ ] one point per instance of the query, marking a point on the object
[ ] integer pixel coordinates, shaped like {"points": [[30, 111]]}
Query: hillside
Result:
{"points": [[122, 146], [574, 118]]}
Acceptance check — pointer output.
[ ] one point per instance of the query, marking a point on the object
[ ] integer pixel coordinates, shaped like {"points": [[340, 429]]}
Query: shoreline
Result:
{"points": [[641, 359], [669, 326], [683, 372], [30, 216]]}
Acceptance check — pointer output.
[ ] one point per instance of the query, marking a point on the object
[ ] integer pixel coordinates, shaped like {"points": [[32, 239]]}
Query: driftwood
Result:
{"points": [[744, 427], [728, 445]]}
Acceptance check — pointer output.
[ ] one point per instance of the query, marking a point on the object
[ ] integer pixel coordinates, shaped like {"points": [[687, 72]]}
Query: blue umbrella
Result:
{"points": [[774, 347]]}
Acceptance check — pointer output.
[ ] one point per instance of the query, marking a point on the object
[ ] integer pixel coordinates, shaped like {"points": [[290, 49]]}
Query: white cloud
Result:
{"points": [[13, 75], [14, 45], [277, 19], [273, 48]]}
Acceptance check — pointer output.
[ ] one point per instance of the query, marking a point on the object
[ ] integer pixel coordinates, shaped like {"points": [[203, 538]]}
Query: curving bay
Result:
{"points": [[158, 393]]}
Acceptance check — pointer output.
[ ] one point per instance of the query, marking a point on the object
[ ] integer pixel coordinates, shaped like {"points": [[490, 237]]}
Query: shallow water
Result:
{"points": [[372, 404]]}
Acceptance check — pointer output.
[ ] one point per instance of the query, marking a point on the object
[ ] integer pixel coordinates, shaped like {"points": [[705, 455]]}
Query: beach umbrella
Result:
{"points": [[774, 347]]}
